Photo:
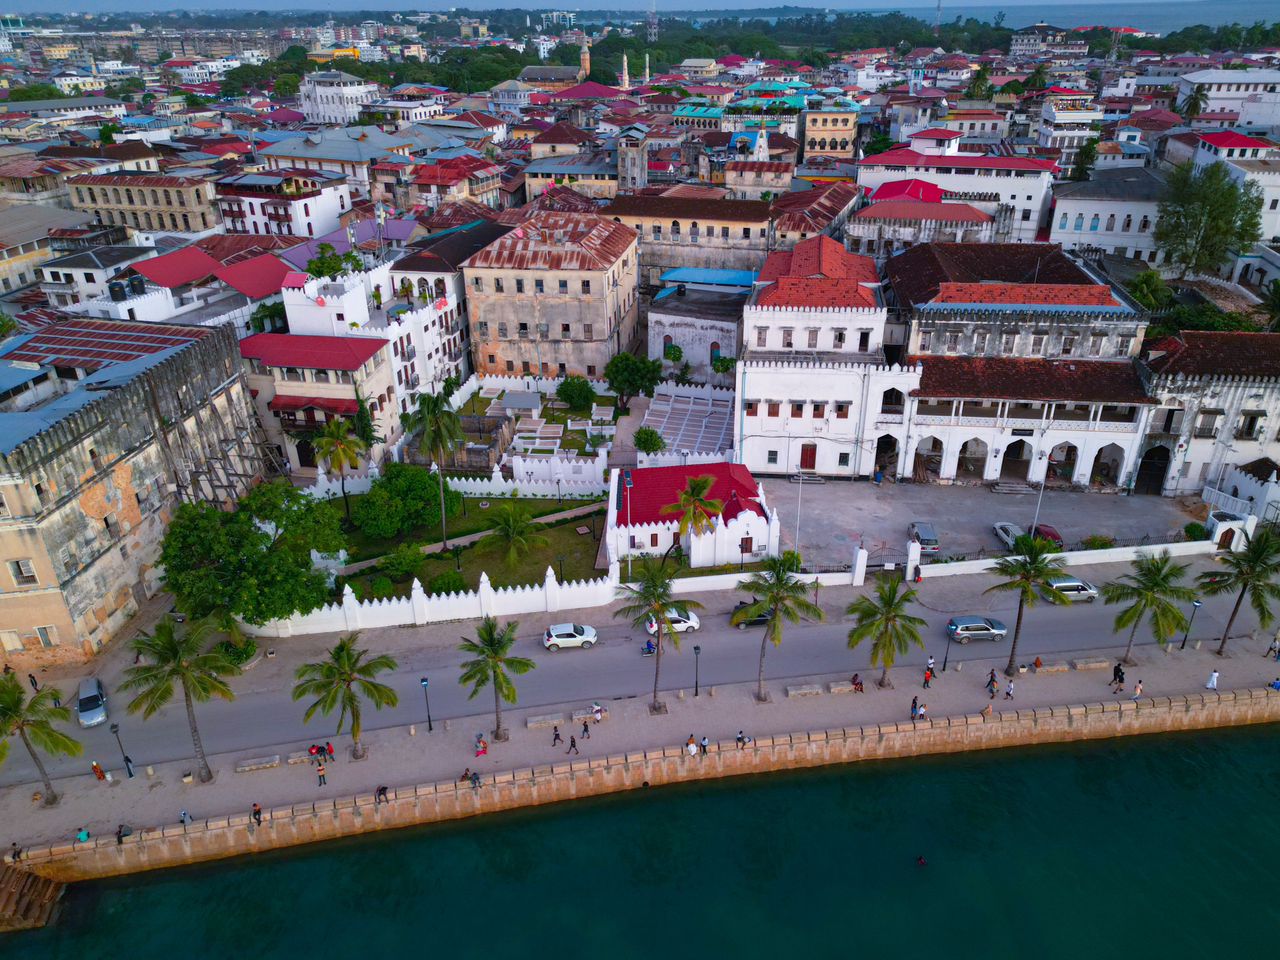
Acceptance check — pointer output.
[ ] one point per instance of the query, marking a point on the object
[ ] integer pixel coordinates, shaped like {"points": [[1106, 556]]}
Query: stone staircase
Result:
{"points": [[1014, 487], [27, 901]]}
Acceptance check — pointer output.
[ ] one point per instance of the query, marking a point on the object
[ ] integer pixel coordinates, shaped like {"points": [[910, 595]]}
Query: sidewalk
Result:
{"points": [[405, 755]]}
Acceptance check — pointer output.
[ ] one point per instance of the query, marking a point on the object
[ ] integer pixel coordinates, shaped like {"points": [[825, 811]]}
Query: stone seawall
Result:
{"points": [[156, 847]]}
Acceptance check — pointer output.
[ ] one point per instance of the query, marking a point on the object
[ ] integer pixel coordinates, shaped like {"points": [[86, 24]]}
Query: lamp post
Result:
{"points": [[560, 563], [626, 479], [427, 697], [1040, 497], [1195, 606], [128, 763], [946, 655], [697, 654], [559, 495]]}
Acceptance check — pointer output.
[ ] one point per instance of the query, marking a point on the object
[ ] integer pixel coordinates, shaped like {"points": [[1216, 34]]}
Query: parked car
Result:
{"points": [[924, 534], [568, 635], [1075, 589], [759, 620], [964, 629], [91, 703], [1046, 532], [1008, 533], [680, 622]]}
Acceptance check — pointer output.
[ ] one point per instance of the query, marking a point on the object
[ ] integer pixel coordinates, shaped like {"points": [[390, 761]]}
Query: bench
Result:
{"points": [[546, 720], [1091, 663], [588, 713], [1057, 666], [804, 690], [840, 686], [302, 756], [258, 763]]}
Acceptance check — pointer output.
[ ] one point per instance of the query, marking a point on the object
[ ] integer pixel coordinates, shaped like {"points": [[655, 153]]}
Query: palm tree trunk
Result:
{"points": [[342, 480], [1011, 669], [498, 732], [656, 704], [1127, 658], [205, 773], [444, 533], [884, 677], [357, 748], [760, 679], [1222, 647], [50, 795]]}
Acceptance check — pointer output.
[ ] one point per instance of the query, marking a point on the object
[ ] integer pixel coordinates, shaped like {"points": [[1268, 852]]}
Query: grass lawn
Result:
{"points": [[362, 547], [563, 540], [476, 405]]}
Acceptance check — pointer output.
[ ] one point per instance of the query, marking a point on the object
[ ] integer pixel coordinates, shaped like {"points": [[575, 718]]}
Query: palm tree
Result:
{"points": [[31, 720], [1195, 102], [695, 508], [440, 430], [1271, 303], [1252, 572], [177, 658], [514, 529], [651, 596], [341, 680], [884, 620], [776, 593], [492, 665], [221, 620], [338, 445], [1152, 590], [1038, 78], [1028, 574]]}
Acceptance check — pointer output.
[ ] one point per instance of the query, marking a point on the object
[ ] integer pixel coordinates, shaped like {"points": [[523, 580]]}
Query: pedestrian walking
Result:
{"points": [[98, 771], [1137, 690], [257, 814], [741, 740], [1117, 675], [1212, 682], [1120, 683], [556, 739], [929, 665], [1274, 648], [183, 817], [328, 749], [320, 777], [915, 707], [597, 712], [314, 752], [475, 780], [35, 685], [586, 730], [992, 686], [924, 708], [15, 852], [928, 676], [703, 744], [573, 746], [1008, 693]]}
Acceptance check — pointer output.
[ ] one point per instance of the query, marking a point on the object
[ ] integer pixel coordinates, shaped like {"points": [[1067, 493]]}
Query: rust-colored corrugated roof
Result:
{"points": [[1026, 378], [923, 210], [558, 241], [688, 208], [1059, 294]]}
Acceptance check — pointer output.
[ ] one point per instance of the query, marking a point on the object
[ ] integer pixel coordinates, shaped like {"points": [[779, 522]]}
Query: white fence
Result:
{"points": [[673, 458], [1224, 501], [578, 479], [1190, 548], [703, 391]]}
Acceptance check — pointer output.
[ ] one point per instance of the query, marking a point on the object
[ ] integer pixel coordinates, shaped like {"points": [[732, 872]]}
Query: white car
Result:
{"points": [[680, 622], [1074, 589], [1008, 533], [568, 635]]}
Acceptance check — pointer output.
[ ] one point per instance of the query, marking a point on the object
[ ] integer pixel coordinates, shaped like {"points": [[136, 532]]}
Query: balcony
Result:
{"points": [[279, 215], [414, 381], [409, 352]]}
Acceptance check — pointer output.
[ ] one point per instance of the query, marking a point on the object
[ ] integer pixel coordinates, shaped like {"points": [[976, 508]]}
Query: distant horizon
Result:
{"points": [[154, 7]]}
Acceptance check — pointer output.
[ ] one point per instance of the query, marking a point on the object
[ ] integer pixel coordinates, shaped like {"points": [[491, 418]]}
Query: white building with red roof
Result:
{"points": [[644, 517], [1020, 186]]}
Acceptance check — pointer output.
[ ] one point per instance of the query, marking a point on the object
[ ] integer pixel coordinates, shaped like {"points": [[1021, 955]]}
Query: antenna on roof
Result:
{"points": [[937, 20]]}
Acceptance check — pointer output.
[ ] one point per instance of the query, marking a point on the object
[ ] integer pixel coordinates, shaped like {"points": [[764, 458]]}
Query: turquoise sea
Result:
{"points": [[1152, 846]]}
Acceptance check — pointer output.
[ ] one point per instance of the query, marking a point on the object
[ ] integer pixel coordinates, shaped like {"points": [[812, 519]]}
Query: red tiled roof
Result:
{"points": [[819, 257], [656, 487], [454, 170], [905, 156], [1061, 294], [183, 266], [588, 91], [1024, 378], [341, 405], [1230, 139], [313, 353], [812, 293], [921, 210], [937, 133], [562, 132], [262, 276], [910, 189], [132, 180], [812, 211], [1200, 353]]}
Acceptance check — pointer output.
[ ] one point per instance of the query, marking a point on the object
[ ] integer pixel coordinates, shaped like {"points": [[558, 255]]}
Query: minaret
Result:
{"points": [[760, 149], [626, 79], [646, 69], [584, 59]]}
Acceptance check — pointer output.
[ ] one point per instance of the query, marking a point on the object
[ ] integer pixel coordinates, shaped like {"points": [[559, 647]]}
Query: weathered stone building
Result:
{"points": [[104, 428]]}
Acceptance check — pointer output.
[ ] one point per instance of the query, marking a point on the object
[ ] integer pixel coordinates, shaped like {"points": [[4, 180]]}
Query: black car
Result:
{"points": [[759, 620]]}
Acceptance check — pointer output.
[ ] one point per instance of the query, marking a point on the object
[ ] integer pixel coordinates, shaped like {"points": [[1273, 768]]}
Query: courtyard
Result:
{"points": [[838, 515]]}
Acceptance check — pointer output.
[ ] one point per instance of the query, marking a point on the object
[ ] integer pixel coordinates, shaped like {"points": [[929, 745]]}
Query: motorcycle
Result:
{"points": [[649, 649]]}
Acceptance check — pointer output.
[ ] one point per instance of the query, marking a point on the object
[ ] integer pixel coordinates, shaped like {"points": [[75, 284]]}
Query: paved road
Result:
{"points": [[263, 712]]}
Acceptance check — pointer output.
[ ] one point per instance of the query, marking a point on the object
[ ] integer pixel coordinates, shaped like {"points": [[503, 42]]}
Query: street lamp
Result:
{"points": [[697, 653], [427, 697], [128, 763], [1195, 606], [947, 653], [559, 495], [560, 563], [626, 480]]}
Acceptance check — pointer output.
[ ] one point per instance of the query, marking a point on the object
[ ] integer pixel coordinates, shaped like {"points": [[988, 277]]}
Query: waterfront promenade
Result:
{"points": [[399, 757]]}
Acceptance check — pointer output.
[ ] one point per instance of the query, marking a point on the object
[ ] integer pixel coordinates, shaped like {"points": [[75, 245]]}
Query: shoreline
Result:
{"points": [[217, 838]]}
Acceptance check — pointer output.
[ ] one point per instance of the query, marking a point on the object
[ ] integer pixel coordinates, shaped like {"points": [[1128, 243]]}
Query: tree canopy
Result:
{"points": [[629, 376], [1205, 216]]}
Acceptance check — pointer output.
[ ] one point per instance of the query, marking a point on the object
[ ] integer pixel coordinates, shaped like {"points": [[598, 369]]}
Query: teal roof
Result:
{"points": [[720, 278], [707, 112]]}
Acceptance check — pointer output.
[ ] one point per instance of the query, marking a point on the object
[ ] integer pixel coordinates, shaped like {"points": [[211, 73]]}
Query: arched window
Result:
{"points": [[146, 218], [891, 401], [1094, 221], [1128, 223], [1079, 221], [813, 143], [1111, 222], [715, 350], [128, 196], [186, 222], [115, 192], [1062, 222], [666, 341], [1142, 227], [439, 286], [155, 198], [675, 228]]}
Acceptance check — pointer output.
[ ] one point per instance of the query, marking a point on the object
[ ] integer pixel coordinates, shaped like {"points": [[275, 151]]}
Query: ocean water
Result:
{"points": [[1151, 846]]}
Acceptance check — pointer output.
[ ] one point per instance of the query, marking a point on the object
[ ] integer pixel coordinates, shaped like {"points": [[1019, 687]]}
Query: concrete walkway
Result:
{"points": [[410, 754]]}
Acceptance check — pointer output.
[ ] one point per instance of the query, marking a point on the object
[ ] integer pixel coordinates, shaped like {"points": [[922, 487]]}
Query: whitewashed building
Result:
{"points": [[1115, 212], [334, 97], [288, 202]]}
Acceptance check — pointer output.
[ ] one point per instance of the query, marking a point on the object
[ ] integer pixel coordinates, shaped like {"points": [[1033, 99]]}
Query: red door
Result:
{"points": [[808, 456]]}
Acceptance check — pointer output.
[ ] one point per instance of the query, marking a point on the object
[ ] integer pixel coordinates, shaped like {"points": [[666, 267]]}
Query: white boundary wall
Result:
{"points": [[1191, 548]]}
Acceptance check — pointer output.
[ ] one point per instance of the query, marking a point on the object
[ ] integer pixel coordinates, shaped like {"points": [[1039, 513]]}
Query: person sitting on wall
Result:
{"points": [[857, 683]]}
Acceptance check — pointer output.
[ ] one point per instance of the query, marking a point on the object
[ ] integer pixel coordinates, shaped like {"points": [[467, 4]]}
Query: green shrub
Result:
{"points": [[648, 440], [403, 562], [381, 586], [451, 581], [793, 560], [724, 364], [239, 655], [1196, 531], [577, 392], [403, 499], [673, 352], [1098, 541], [378, 513]]}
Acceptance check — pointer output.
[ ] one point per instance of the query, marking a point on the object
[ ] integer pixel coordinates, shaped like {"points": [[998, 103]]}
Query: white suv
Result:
{"points": [[568, 635], [680, 622]]}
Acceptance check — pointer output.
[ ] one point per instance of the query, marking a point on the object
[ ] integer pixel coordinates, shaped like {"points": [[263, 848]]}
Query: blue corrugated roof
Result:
{"points": [[724, 278]]}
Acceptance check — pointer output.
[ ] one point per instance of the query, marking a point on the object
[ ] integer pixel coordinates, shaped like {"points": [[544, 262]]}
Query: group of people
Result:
{"points": [[919, 711], [692, 746], [319, 754]]}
